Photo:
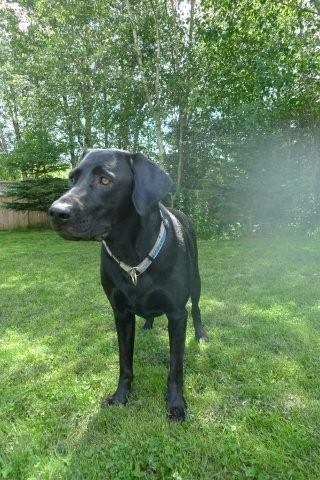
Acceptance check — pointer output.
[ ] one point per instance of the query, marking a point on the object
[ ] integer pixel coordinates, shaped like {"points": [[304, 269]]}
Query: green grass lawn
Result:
{"points": [[253, 391]]}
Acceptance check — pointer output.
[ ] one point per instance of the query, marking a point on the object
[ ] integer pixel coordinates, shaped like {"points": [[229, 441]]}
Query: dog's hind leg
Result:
{"points": [[148, 324], [195, 310]]}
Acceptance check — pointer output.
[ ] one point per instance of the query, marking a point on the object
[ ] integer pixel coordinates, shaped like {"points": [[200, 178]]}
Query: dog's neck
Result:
{"points": [[132, 239]]}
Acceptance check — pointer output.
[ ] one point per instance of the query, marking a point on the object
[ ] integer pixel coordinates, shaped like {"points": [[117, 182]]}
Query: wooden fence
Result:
{"points": [[10, 219]]}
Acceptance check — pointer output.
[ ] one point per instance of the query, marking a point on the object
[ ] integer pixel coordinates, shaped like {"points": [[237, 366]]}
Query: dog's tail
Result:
{"points": [[195, 292]]}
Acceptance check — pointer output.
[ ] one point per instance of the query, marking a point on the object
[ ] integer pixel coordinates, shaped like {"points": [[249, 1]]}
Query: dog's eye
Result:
{"points": [[105, 181]]}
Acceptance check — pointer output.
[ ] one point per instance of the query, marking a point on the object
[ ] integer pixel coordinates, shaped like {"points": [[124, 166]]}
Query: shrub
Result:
{"points": [[35, 194], [192, 204]]}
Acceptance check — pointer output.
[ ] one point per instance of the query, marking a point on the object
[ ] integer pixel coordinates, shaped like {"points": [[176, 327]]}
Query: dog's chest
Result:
{"points": [[148, 303]]}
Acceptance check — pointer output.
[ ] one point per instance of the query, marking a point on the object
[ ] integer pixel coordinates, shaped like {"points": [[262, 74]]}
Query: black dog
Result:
{"points": [[114, 198]]}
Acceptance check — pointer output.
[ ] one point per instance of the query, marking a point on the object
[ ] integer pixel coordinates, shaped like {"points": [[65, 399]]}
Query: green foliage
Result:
{"points": [[211, 81], [35, 155], [35, 194], [5, 172], [252, 391], [193, 205]]}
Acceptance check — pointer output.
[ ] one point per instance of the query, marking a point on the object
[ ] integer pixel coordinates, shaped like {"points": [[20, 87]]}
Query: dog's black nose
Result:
{"points": [[60, 211]]}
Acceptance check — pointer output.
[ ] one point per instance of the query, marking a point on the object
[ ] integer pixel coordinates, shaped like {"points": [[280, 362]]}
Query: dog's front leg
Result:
{"points": [[177, 335], [125, 324]]}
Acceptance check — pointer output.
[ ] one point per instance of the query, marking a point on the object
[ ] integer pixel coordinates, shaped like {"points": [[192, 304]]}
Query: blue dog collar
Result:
{"points": [[134, 272]]}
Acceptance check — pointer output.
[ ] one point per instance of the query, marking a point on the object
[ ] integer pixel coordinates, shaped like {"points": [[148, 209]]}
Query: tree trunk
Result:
{"points": [[70, 134], [13, 111], [182, 101], [105, 117], [3, 142], [136, 139], [87, 134], [182, 125], [159, 137], [153, 100], [124, 134], [191, 25], [157, 115], [181, 145], [87, 106]]}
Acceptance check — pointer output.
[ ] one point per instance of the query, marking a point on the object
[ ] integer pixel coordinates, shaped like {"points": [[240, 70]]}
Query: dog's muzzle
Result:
{"points": [[67, 221]]}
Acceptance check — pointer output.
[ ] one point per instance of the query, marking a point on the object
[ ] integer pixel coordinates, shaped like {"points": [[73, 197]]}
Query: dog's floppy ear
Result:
{"points": [[151, 184]]}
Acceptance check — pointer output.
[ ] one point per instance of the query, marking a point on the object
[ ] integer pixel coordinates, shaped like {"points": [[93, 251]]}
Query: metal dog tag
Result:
{"points": [[134, 276]]}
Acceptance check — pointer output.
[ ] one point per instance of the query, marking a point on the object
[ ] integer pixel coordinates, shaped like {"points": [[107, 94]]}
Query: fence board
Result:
{"points": [[10, 219]]}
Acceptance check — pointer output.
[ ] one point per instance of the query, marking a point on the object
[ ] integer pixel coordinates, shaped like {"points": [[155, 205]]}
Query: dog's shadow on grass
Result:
{"points": [[113, 434], [109, 440]]}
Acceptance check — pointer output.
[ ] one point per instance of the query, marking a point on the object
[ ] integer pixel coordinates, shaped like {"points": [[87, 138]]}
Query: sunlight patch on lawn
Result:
{"points": [[271, 312], [316, 306], [209, 303], [292, 401], [20, 348], [13, 280]]}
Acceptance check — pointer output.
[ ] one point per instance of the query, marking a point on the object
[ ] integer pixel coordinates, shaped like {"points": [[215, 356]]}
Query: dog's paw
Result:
{"points": [[177, 414], [202, 337], [114, 400], [177, 409]]}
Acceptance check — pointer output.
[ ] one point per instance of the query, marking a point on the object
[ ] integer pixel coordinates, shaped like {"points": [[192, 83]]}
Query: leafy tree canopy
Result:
{"points": [[224, 94], [35, 155]]}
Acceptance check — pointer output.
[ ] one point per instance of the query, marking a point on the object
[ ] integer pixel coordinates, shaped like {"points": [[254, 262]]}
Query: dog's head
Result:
{"points": [[106, 186]]}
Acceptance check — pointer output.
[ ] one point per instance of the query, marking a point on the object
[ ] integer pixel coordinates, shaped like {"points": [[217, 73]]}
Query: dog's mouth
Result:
{"points": [[101, 237], [80, 226], [69, 233]]}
